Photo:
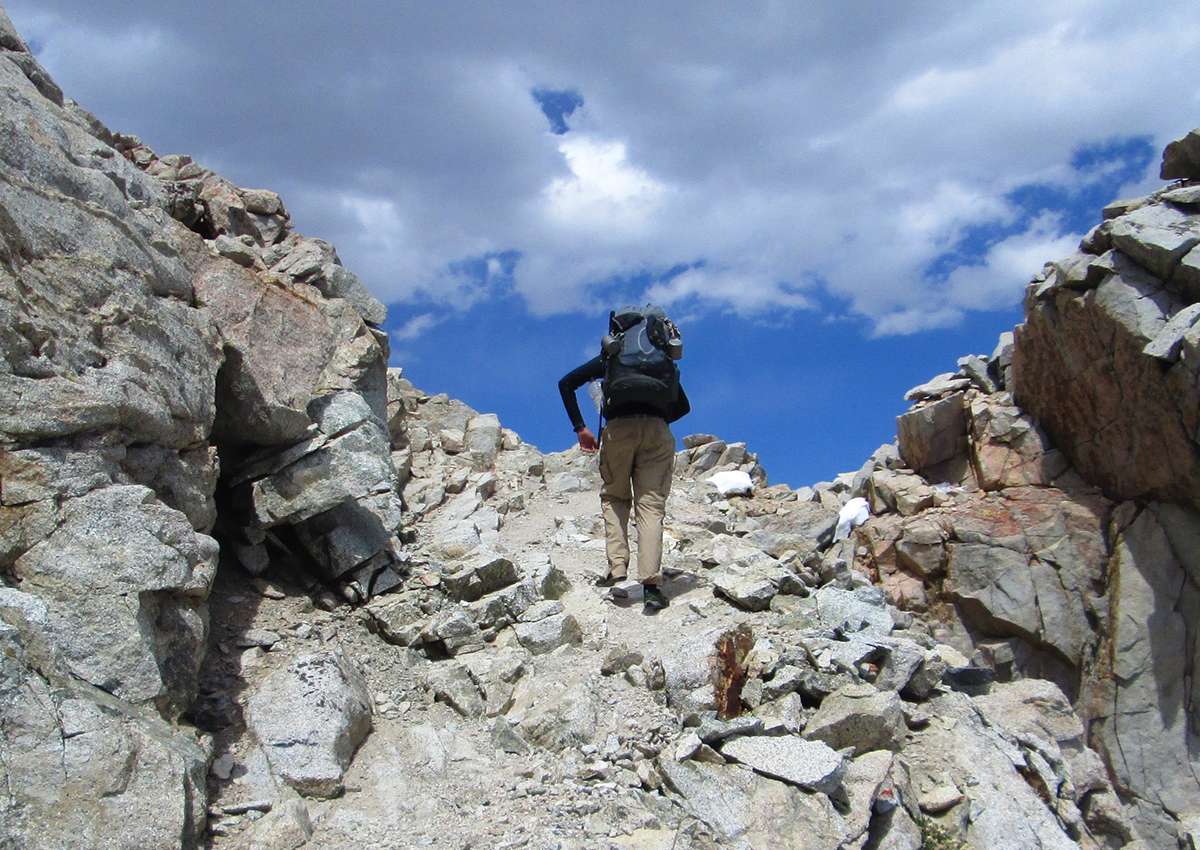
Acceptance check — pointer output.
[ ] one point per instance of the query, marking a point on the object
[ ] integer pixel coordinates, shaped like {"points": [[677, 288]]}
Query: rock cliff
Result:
{"points": [[258, 591]]}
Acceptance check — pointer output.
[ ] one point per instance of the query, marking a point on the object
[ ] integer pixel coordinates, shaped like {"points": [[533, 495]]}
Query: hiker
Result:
{"points": [[641, 396]]}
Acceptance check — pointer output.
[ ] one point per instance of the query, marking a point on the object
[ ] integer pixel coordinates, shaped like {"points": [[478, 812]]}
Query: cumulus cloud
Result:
{"points": [[751, 160], [605, 194]]}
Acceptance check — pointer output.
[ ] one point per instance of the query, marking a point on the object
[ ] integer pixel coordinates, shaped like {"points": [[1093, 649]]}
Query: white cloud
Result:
{"points": [[764, 149], [748, 293], [605, 194], [414, 327], [1009, 264]]}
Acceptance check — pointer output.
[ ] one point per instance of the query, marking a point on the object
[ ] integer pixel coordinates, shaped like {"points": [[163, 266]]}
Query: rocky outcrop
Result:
{"points": [[1056, 511], [157, 400]]}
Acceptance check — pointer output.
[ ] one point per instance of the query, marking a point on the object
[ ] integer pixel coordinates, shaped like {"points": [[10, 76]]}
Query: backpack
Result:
{"points": [[640, 353]]}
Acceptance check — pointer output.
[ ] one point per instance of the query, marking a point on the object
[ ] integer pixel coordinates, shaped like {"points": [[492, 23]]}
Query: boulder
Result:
{"points": [[555, 715], [547, 635], [1008, 448], [862, 611], [690, 669], [933, 433], [1156, 236], [481, 573], [994, 587], [310, 717], [745, 810], [963, 757], [859, 717], [903, 492], [1181, 159], [751, 588], [453, 684]]}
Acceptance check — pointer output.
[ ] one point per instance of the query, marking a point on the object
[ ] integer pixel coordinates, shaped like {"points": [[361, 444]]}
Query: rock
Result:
{"points": [[483, 439], [994, 586], [504, 607], [746, 810], [810, 765], [933, 433], [1170, 340], [124, 579], [903, 492], [286, 826], [310, 718], [452, 631], [349, 535], [547, 635], [1009, 449], [904, 659], [1080, 370], [750, 588], [1159, 599], [691, 747], [1181, 159], [555, 715], [453, 684], [783, 714], [620, 659], [713, 730], [505, 738], [1156, 236], [805, 528], [863, 780], [82, 768], [862, 612], [1000, 363], [349, 462], [976, 368], [860, 717], [940, 799], [398, 619], [942, 385], [267, 383], [960, 751], [481, 573], [926, 677], [257, 637]]}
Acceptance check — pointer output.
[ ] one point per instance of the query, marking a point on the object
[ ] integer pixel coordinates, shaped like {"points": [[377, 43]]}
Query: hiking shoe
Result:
{"points": [[609, 580], [653, 597]]}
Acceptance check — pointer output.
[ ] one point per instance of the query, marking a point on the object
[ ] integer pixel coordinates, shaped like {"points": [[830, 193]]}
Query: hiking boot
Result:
{"points": [[609, 580], [653, 597]]}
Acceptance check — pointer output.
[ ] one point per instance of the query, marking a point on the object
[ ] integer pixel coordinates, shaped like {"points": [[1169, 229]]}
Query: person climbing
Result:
{"points": [[641, 396]]}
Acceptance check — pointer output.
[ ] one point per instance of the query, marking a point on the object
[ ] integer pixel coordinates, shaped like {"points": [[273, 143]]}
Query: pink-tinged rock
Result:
{"points": [[1082, 372], [1009, 449]]}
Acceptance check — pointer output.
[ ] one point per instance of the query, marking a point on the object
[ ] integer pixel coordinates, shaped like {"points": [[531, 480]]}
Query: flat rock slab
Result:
{"points": [[812, 765]]}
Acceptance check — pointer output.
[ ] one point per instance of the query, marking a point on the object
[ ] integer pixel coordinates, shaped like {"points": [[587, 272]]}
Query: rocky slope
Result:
{"points": [[258, 594]]}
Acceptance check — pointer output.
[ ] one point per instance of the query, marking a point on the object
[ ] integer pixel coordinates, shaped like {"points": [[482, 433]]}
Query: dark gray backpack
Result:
{"points": [[640, 353]]}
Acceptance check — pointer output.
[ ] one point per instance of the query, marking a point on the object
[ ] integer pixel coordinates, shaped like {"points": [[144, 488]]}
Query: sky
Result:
{"points": [[834, 201]]}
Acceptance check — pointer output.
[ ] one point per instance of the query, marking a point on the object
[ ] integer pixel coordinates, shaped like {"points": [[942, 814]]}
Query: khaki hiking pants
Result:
{"points": [[637, 455]]}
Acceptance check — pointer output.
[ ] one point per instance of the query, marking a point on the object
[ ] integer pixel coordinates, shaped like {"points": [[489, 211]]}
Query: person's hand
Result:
{"points": [[587, 440]]}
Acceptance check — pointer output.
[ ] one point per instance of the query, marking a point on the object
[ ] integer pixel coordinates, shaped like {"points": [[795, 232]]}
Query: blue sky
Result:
{"points": [[834, 201]]}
